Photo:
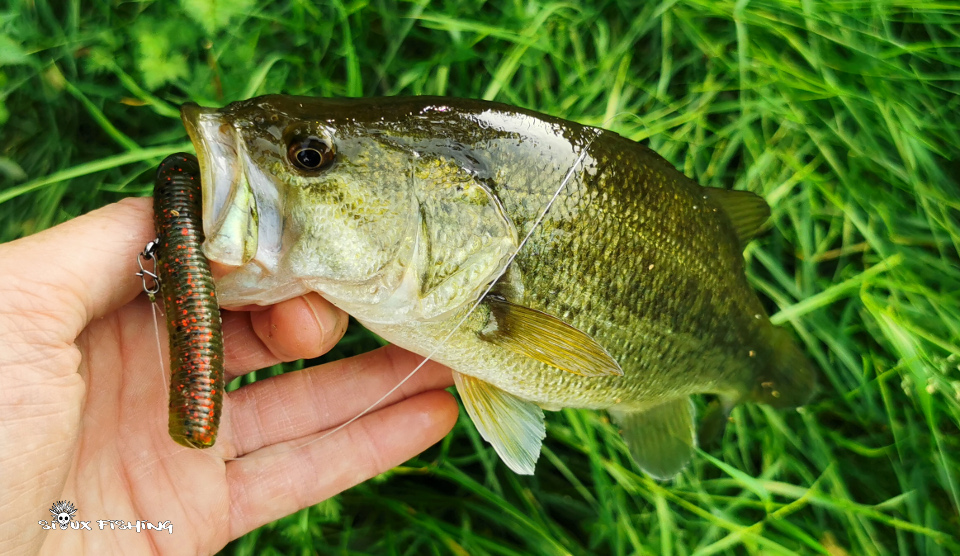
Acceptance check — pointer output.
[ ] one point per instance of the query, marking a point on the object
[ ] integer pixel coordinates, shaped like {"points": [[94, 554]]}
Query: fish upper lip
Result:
{"points": [[197, 120], [221, 175]]}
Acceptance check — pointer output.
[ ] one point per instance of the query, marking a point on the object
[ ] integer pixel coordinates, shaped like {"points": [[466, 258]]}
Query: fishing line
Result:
{"points": [[156, 335], [151, 286], [536, 225]]}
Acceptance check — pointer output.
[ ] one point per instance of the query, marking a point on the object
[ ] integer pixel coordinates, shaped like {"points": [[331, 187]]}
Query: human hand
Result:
{"points": [[83, 403]]}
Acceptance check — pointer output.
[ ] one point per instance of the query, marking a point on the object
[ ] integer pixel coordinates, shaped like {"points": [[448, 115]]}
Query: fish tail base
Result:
{"points": [[790, 379]]}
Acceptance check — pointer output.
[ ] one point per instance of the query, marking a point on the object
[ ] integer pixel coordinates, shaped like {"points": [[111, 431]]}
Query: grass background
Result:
{"points": [[844, 118]]}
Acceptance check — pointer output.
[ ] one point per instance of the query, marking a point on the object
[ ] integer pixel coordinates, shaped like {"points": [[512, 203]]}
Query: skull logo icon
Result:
{"points": [[63, 512]]}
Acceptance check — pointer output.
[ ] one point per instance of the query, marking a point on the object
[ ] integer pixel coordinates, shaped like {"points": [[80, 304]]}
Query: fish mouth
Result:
{"points": [[230, 215]]}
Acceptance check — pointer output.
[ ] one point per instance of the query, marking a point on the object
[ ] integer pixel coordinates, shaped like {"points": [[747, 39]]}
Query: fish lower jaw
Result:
{"points": [[251, 285]]}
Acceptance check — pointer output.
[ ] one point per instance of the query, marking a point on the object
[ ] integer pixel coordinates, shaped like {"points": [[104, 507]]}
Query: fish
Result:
{"points": [[549, 264], [190, 304]]}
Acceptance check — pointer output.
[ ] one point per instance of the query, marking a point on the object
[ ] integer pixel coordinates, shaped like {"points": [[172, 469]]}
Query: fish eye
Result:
{"points": [[310, 153]]}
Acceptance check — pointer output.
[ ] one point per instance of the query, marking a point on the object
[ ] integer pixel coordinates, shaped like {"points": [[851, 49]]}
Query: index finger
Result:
{"points": [[300, 328]]}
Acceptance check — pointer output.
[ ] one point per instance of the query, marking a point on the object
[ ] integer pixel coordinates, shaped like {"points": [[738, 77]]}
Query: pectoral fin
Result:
{"points": [[661, 439], [513, 426], [548, 339]]}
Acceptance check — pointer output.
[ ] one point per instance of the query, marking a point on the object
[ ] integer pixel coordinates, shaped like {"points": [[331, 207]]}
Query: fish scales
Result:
{"points": [[629, 296], [668, 229]]}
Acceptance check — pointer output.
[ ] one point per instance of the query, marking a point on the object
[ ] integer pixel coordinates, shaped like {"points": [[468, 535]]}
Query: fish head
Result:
{"points": [[304, 194]]}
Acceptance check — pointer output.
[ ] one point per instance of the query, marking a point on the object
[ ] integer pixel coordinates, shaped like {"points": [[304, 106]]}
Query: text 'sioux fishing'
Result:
{"points": [[629, 295]]}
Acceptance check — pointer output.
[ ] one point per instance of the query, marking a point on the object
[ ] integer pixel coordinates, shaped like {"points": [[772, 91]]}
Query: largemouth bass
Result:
{"points": [[629, 294]]}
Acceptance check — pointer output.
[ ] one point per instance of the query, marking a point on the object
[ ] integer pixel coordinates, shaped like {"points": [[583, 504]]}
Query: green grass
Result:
{"points": [[845, 119]]}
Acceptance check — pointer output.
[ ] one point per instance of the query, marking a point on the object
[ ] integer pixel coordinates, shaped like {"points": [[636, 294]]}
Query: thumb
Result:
{"points": [[77, 271]]}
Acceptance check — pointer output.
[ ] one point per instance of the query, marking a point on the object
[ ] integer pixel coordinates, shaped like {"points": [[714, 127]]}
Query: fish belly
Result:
{"points": [[643, 385]]}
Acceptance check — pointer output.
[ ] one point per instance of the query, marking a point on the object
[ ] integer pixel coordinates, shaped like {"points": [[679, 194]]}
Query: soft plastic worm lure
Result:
{"points": [[190, 302]]}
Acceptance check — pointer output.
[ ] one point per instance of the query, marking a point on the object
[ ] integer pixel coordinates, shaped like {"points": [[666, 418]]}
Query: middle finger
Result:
{"points": [[293, 405]]}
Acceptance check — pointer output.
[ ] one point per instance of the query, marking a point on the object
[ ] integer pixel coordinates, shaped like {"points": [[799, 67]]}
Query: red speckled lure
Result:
{"points": [[190, 302]]}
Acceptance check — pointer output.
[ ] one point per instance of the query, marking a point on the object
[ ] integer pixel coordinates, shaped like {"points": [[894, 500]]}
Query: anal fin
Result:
{"points": [[514, 427], [661, 439]]}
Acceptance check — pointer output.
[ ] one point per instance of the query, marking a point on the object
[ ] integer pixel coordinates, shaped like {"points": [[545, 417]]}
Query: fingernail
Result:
{"points": [[326, 315]]}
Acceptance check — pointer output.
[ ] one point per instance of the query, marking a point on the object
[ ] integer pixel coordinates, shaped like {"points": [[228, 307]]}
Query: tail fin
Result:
{"points": [[790, 379]]}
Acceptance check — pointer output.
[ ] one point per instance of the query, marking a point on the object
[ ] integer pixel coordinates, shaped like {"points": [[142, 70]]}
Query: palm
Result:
{"points": [[126, 466], [87, 422]]}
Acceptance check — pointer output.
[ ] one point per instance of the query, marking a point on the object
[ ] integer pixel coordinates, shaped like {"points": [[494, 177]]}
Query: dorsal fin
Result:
{"points": [[747, 211]]}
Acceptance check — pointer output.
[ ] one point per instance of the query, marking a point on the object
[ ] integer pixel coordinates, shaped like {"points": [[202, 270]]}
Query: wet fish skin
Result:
{"points": [[633, 283]]}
